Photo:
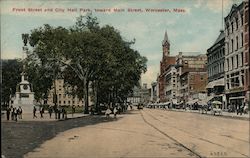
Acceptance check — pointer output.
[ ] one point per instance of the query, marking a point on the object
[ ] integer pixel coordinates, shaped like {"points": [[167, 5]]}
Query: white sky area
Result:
{"points": [[194, 30]]}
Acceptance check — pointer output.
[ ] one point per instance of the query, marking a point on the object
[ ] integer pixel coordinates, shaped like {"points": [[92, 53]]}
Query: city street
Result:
{"points": [[144, 133]]}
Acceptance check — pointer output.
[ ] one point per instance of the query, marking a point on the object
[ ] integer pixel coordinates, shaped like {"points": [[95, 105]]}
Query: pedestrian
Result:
{"points": [[50, 111], [73, 110], [245, 108], [34, 112], [115, 112], [41, 111], [63, 112], [241, 109], [12, 114], [59, 113], [108, 112], [8, 110], [20, 112], [237, 109], [56, 112], [15, 114]]}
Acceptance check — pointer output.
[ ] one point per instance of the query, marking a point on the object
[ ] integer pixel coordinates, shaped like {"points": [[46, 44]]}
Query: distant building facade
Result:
{"points": [[191, 76], [171, 83], [215, 69], [237, 55], [153, 97], [64, 98]]}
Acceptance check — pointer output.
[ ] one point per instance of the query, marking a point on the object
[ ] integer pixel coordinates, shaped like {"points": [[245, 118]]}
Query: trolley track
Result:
{"points": [[202, 139], [171, 138]]}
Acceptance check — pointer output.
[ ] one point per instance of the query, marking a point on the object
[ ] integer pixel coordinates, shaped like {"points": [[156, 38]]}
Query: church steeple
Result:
{"points": [[166, 45]]}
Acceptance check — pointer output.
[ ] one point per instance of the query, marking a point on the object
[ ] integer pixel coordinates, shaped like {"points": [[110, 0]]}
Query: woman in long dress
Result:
{"points": [[108, 112]]}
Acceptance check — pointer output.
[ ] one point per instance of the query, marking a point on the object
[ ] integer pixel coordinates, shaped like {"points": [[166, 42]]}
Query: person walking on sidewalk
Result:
{"points": [[115, 112], [41, 111], [73, 110], [50, 111], [108, 112], [20, 112], [34, 112], [8, 110], [15, 113], [12, 114]]}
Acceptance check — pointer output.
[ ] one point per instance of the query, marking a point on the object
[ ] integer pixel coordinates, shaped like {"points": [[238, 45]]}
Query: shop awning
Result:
{"points": [[219, 82]]}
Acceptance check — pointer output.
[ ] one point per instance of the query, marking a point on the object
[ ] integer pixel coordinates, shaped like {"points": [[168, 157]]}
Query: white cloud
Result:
{"points": [[151, 74]]}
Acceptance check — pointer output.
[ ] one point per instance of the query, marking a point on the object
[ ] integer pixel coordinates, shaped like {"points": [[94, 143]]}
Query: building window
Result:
{"points": [[64, 101], [241, 16], [236, 20], [242, 59], [242, 79], [232, 26], [59, 101], [60, 96], [242, 41], [69, 101], [227, 64], [232, 42], [202, 77], [232, 60], [237, 63], [237, 43]]}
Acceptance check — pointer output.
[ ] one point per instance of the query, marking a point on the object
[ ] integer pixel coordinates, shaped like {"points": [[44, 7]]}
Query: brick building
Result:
{"points": [[165, 62], [191, 76]]}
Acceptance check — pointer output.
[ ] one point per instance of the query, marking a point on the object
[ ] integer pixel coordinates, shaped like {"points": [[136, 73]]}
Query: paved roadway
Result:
{"points": [[152, 133]]}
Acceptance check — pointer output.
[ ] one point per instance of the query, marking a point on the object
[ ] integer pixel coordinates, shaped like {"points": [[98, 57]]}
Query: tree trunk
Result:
{"points": [[86, 97]]}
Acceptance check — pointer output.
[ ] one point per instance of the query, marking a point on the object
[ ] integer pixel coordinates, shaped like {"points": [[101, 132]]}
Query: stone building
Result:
{"points": [[215, 69], [153, 97], [171, 83], [237, 55], [64, 98]]}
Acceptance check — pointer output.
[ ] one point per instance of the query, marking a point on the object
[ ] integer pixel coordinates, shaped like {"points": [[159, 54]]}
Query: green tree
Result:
{"points": [[11, 76]]}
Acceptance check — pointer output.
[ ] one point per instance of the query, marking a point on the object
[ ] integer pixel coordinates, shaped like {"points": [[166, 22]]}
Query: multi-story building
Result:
{"points": [[153, 97], [193, 84], [145, 93], [246, 52], [191, 76], [215, 69], [237, 55], [171, 83], [165, 62], [64, 98]]}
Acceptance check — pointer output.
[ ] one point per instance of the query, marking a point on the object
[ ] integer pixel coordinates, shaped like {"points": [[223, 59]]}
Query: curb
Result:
{"points": [[223, 116], [72, 118]]}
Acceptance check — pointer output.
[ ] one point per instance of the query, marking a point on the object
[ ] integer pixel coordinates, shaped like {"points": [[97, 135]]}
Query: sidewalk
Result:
{"points": [[224, 114], [29, 117]]}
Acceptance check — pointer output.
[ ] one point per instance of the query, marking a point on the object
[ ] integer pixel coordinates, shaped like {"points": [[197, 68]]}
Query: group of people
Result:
{"points": [[58, 111], [14, 113], [239, 109], [109, 111]]}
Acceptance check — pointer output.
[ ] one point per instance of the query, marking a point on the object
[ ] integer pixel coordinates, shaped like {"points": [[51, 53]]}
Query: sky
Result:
{"points": [[191, 31]]}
